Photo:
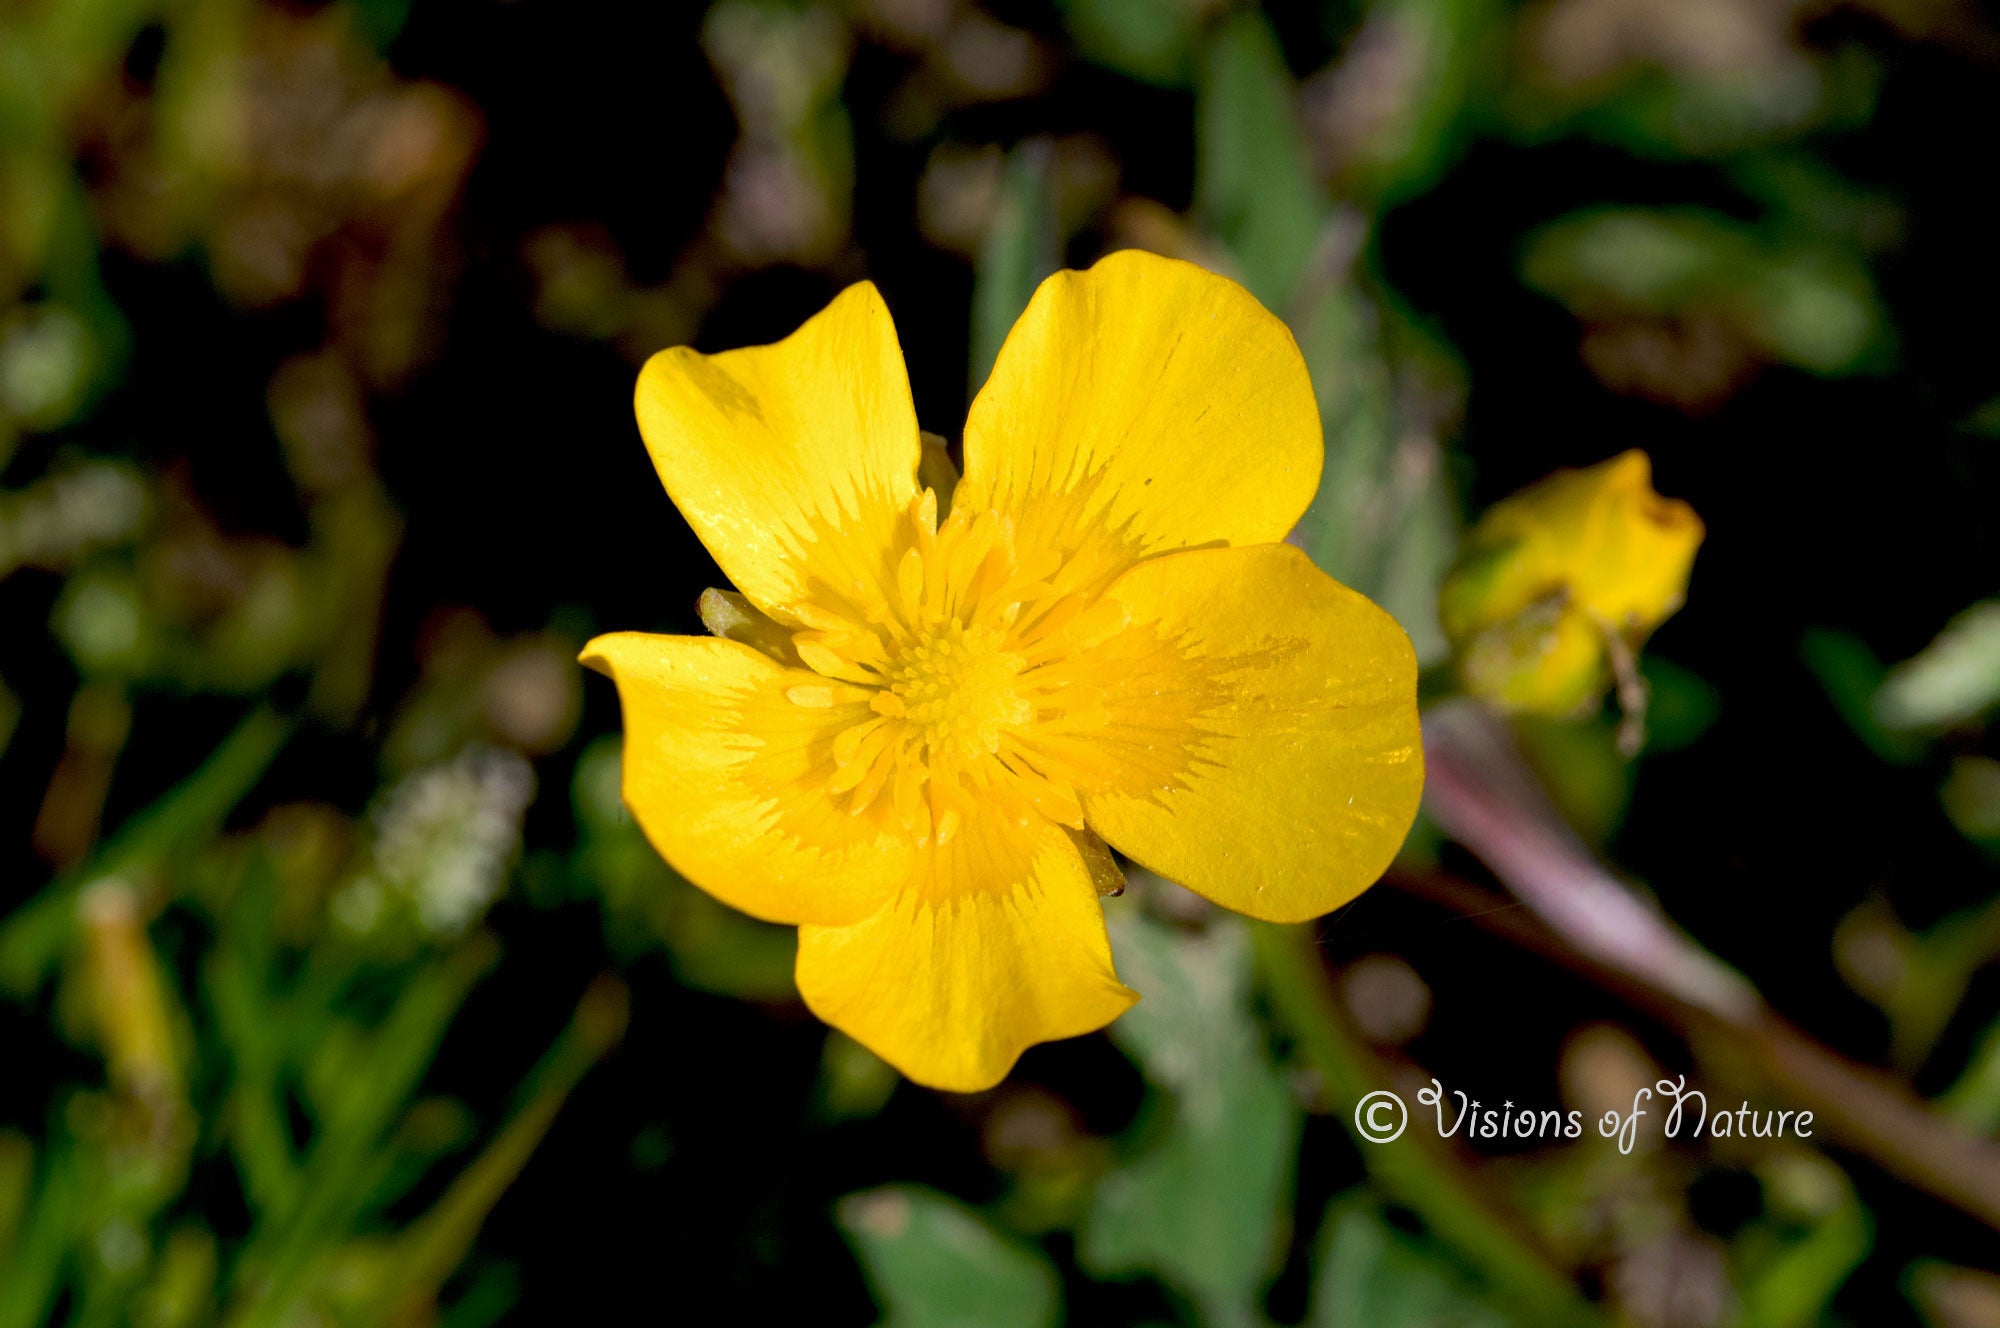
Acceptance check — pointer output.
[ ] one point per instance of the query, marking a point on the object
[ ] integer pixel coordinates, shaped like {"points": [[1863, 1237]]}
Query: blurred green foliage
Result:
{"points": [[1199, 1201], [933, 1261]]}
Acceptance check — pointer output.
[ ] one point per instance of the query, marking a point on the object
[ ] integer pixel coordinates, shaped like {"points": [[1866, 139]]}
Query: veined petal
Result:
{"points": [[994, 944], [1270, 754], [728, 777], [794, 462], [1142, 406]]}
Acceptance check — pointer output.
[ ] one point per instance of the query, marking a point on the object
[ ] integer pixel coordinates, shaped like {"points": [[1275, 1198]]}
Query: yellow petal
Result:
{"points": [[1142, 406], [728, 778], [795, 462], [1269, 743], [996, 943]]}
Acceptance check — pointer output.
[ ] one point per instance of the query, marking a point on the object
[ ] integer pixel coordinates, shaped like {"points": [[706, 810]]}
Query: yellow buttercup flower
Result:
{"points": [[1558, 585], [926, 713]]}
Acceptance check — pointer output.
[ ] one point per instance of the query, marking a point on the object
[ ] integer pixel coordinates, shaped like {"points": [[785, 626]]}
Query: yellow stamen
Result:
{"points": [[975, 668]]}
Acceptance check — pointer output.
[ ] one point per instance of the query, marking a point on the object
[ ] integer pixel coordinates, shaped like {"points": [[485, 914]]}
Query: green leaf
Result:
{"points": [[1794, 302], [1150, 40], [1973, 1100], [1384, 520], [34, 935], [1374, 1275], [1253, 181], [1953, 680], [1022, 247], [1443, 52], [1971, 798], [1850, 674], [379, 21], [931, 1262], [854, 1083], [1660, 115], [1985, 421], [427, 1252], [46, 1229], [1202, 1203], [357, 1088], [1790, 1281]]}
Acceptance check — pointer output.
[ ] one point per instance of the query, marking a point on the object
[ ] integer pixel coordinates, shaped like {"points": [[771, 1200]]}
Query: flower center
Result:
{"points": [[957, 685], [964, 683]]}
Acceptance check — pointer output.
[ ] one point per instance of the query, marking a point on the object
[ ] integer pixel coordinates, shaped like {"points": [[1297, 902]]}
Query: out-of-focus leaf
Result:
{"points": [[853, 1081], [494, 1289], [1984, 421], [435, 1244], [45, 1232], [1201, 1202], [1150, 40], [355, 537], [1974, 1100], [1373, 1275], [379, 21], [58, 361], [720, 950], [933, 1263], [357, 1087], [1807, 198], [237, 983], [17, 1177], [1253, 180], [1813, 307], [1384, 521], [34, 935], [1021, 248], [1851, 675], [1661, 92], [103, 620], [1919, 979], [1791, 1281], [73, 511], [181, 1293], [1953, 680], [48, 360], [1971, 797], [1401, 93]]}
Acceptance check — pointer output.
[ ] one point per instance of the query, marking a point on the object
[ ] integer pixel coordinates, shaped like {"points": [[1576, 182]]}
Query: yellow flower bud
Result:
{"points": [[1558, 584]]}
